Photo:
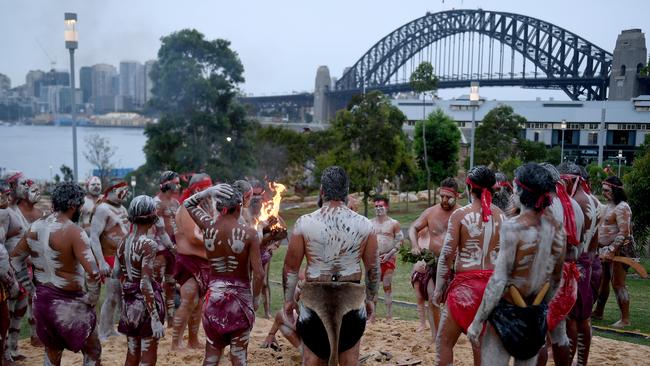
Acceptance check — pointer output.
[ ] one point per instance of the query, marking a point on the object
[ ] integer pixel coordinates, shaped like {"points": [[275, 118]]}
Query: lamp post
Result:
{"points": [[133, 184], [71, 43], [563, 127], [473, 100], [619, 157]]}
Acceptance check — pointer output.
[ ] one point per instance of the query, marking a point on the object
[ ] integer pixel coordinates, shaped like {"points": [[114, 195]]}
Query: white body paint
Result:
{"points": [[385, 236], [333, 238]]}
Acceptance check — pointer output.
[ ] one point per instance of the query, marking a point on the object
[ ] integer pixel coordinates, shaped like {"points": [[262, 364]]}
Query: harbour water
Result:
{"points": [[39, 151]]}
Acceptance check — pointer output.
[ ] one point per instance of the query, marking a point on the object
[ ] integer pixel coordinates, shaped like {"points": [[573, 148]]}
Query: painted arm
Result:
{"points": [[193, 206], [84, 254], [559, 250], [498, 281], [415, 228], [6, 273], [146, 279], [371, 265], [255, 259], [447, 257], [292, 261], [623, 217], [18, 258], [97, 227]]}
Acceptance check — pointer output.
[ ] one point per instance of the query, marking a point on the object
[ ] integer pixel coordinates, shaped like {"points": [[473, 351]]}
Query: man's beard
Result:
{"points": [[76, 215]]}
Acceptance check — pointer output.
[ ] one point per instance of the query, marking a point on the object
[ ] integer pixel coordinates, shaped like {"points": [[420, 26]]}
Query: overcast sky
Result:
{"points": [[281, 42]]}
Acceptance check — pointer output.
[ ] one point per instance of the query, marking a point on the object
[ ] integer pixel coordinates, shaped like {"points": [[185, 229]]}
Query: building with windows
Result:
{"points": [[623, 124]]}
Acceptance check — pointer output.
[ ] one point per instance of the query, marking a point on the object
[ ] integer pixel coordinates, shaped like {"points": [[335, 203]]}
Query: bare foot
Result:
{"points": [[178, 347], [622, 324], [596, 316], [35, 341], [421, 328], [268, 341], [195, 344]]}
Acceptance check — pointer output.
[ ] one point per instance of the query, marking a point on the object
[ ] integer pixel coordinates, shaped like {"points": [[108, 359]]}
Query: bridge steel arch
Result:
{"points": [[568, 61]]}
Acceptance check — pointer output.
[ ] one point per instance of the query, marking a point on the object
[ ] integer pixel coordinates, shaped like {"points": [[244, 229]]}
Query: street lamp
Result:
{"points": [[71, 43], [133, 184], [619, 157], [473, 100], [563, 127]]}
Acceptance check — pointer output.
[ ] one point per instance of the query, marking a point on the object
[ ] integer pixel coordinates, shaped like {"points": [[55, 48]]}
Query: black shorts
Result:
{"points": [[522, 330], [314, 336]]}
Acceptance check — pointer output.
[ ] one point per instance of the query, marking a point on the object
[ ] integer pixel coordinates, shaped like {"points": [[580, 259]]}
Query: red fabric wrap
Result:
{"points": [[504, 184], [449, 190], [203, 184], [114, 187], [465, 294], [612, 185], [228, 309], [569, 215], [565, 297], [390, 264], [110, 259], [542, 198], [486, 200]]}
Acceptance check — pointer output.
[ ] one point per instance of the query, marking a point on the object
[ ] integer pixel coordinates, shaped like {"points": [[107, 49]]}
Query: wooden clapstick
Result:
{"points": [[541, 294], [516, 296]]}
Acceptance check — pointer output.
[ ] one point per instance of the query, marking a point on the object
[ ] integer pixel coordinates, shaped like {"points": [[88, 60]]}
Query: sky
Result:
{"points": [[281, 43]]}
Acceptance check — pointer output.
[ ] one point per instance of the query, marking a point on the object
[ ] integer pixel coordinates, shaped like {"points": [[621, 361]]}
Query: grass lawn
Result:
{"points": [[402, 290]]}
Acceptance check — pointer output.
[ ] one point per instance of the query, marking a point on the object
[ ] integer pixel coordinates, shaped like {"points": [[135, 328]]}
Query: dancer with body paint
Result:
{"points": [[166, 208], [389, 240], [565, 210], [502, 194], [333, 305], [286, 326], [192, 272], [588, 264], [22, 210], [109, 226], [93, 195], [9, 287], [466, 262], [615, 239], [434, 220], [64, 265], [233, 251], [527, 275], [143, 309]]}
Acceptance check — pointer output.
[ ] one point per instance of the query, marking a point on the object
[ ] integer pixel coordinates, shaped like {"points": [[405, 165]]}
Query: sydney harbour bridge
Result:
{"points": [[492, 47]]}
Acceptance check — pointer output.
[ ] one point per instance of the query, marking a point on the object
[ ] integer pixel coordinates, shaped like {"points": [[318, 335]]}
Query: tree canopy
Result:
{"points": [[443, 145]]}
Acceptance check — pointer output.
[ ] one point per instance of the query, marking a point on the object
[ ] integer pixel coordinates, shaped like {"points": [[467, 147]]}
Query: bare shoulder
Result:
{"points": [[623, 207], [249, 232]]}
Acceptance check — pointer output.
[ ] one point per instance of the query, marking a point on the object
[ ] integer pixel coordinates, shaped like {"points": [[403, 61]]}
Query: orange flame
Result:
{"points": [[272, 207]]}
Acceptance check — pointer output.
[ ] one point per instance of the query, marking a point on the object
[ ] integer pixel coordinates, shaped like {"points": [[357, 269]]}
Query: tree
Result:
{"points": [[442, 143], [99, 153], [498, 136], [637, 186], [68, 176], [368, 142], [201, 128], [423, 80]]}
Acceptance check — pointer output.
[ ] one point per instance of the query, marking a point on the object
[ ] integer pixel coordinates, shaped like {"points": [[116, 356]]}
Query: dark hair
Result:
{"points": [[569, 168], [584, 173], [501, 195], [500, 177], [4, 185], [449, 182], [67, 195], [538, 182], [381, 197], [618, 194], [553, 170], [142, 210], [230, 203], [165, 177], [483, 177], [242, 186], [335, 184]]}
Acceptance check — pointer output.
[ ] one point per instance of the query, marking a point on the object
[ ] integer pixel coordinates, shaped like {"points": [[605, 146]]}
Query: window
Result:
{"points": [[592, 138], [536, 136], [620, 137], [622, 70]]}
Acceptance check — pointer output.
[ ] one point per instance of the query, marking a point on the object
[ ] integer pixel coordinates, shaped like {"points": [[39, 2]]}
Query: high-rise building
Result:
{"points": [[51, 78], [102, 89], [85, 83], [148, 83], [30, 82], [132, 83], [5, 83]]}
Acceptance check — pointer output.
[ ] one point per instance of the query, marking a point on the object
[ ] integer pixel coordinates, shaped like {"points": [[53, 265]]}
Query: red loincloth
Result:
{"points": [[110, 260], [421, 280], [465, 294], [389, 265], [228, 310], [565, 297], [170, 260], [191, 266]]}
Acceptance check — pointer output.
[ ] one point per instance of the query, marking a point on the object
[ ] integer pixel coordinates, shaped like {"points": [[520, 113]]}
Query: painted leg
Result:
{"points": [[446, 339], [561, 343], [194, 324], [266, 292], [107, 314], [170, 287], [52, 357], [149, 354], [270, 337], [133, 351], [584, 341], [212, 355], [33, 337], [388, 293], [421, 315], [239, 348], [622, 295], [17, 309], [189, 300], [4, 329], [492, 350], [310, 359], [92, 350], [434, 312], [603, 293], [351, 356]]}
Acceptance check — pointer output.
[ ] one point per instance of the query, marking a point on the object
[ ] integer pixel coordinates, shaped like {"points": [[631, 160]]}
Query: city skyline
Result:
{"points": [[328, 34]]}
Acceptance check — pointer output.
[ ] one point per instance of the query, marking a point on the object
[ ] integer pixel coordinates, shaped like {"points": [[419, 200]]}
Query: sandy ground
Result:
{"points": [[397, 337]]}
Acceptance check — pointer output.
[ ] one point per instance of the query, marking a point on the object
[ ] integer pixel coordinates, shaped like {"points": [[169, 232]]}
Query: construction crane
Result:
{"points": [[52, 61]]}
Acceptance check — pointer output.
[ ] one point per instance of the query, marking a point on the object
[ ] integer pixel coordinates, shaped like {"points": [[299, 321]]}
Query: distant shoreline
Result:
{"points": [[21, 124]]}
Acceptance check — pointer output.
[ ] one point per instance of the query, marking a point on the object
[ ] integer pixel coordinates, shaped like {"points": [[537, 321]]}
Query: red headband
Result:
{"points": [[14, 178], [202, 184], [504, 184], [486, 200], [581, 181], [114, 187], [540, 201], [450, 190], [612, 185], [569, 215]]}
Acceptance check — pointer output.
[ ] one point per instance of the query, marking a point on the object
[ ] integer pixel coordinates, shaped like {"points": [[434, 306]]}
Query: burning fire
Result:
{"points": [[272, 207]]}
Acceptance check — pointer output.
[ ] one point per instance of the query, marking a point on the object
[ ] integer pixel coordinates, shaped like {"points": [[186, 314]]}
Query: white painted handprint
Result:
{"points": [[471, 254], [208, 237], [472, 221], [237, 240]]}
